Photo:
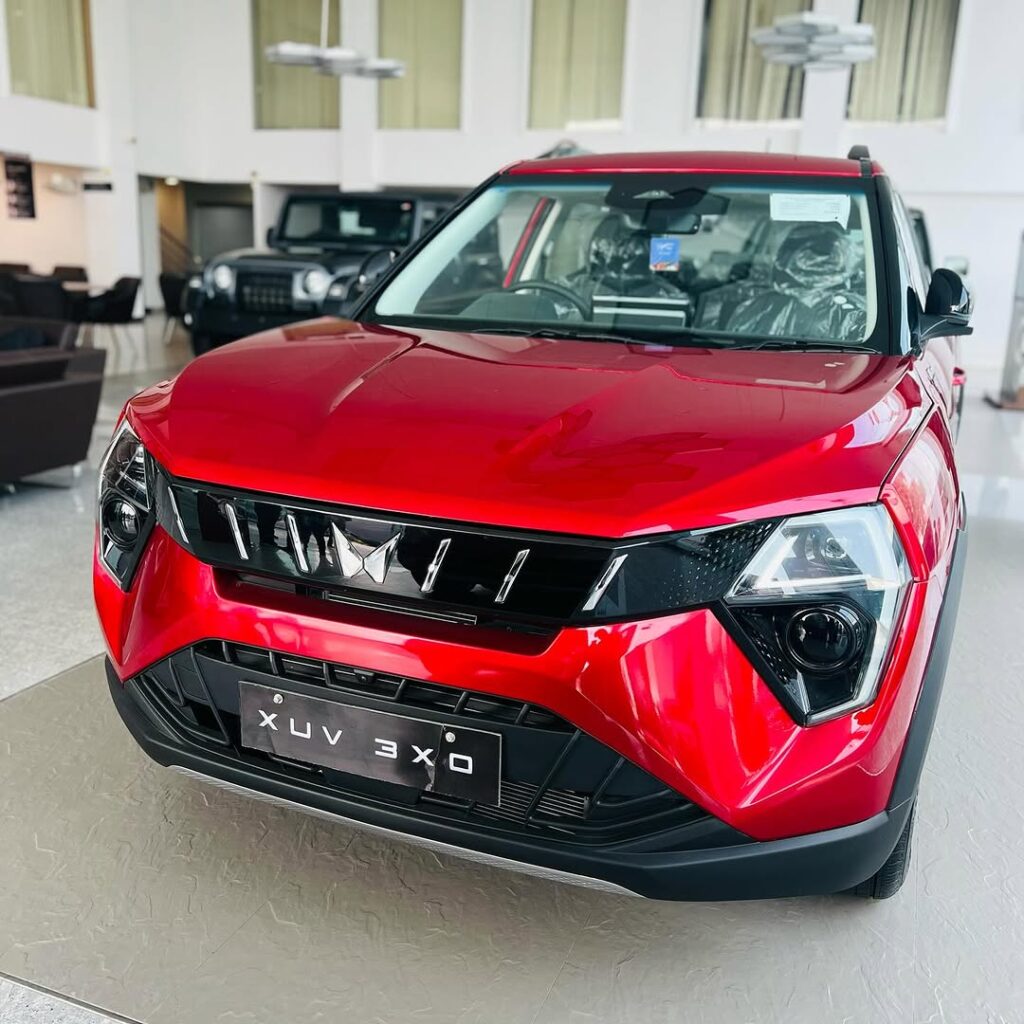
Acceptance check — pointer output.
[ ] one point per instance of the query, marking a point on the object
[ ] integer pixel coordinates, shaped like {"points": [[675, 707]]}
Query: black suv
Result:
{"points": [[325, 250]]}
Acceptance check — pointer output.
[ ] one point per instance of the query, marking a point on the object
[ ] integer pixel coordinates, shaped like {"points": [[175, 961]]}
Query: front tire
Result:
{"points": [[889, 878]]}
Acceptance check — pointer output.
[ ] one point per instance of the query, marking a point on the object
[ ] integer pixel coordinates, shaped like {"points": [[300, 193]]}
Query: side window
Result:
{"points": [[908, 242], [905, 287]]}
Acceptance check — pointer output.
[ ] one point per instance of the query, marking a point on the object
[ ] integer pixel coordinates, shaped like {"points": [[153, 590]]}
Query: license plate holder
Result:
{"points": [[432, 756]]}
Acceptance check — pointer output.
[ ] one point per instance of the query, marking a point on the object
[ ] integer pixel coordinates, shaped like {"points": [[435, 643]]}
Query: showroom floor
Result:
{"points": [[160, 898]]}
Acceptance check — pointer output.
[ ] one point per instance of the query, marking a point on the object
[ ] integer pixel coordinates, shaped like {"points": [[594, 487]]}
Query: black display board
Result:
{"points": [[21, 196]]}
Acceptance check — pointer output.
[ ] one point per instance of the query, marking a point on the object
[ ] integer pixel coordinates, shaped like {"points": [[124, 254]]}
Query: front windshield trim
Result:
{"points": [[878, 341], [684, 337]]}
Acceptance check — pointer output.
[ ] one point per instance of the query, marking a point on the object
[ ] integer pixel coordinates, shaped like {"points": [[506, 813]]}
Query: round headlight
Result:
{"points": [[824, 639], [223, 277], [316, 282], [121, 522]]}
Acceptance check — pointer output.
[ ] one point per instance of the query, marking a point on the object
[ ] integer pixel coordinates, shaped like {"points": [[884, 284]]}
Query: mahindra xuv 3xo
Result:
{"points": [[617, 535]]}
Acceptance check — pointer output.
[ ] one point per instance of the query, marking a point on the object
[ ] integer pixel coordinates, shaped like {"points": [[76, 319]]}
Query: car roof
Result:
{"points": [[695, 161], [424, 195]]}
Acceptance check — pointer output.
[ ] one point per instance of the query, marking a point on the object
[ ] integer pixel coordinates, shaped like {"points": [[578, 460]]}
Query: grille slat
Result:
{"points": [[264, 292], [557, 781], [390, 563]]}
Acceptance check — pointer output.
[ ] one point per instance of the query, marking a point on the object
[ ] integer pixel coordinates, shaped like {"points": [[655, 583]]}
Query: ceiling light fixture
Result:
{"points": [[815, 42], [332, 60]]}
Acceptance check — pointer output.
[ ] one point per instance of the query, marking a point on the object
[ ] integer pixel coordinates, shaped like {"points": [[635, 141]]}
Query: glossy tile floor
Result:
{"points": [[130, 888]]}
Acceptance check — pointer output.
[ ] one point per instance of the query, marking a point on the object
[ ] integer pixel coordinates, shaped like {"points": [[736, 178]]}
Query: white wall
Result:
{"points": [[57, 234], [100, 142], [178, 101]]}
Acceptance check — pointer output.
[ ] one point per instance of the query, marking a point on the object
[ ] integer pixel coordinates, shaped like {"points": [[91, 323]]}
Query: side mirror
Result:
{"points": [[271, 238], [372, 267], [947, 310]]}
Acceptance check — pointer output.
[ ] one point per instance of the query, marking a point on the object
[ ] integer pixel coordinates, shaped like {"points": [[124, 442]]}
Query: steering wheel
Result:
{"points": [[555, 289]]}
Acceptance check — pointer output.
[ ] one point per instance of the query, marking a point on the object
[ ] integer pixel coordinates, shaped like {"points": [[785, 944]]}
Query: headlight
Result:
{"points": [[124, 512], [338, 290], [196, 281], [223, 277], [316, 282], [812, 600], [817, 605]]}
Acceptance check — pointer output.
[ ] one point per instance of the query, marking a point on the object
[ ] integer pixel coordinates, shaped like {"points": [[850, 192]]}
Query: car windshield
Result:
{"points": [[673, 258], [347, 220]]}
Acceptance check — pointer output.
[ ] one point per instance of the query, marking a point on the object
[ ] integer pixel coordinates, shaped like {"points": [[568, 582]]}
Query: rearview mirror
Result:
{"points": [[271, 237], [947, 310]]}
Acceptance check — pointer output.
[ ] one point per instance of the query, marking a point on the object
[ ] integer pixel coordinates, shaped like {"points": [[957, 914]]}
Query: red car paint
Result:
{"points": [[803, 432], [566, 436], [579, 438], [694, 162]]}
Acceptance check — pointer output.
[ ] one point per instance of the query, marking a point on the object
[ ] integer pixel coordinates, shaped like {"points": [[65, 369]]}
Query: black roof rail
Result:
{"points": [[861, 153]]}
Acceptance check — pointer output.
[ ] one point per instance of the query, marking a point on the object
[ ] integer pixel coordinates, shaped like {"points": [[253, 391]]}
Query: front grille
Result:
{"points": [[557, 781], [264, 292], [471, 575]]}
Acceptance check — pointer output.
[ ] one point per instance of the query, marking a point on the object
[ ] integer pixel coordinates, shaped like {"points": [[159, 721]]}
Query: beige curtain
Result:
{"points": [[576, 62], [427, 35], [50, 50], [909, 78], [293, 97], [736, 82]]}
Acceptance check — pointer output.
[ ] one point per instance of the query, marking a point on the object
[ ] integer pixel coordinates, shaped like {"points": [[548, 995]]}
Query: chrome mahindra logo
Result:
{"points": [[375, 563]]}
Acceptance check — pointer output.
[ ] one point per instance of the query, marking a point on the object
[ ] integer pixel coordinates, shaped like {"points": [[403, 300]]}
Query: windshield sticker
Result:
{"points": [[664, 253], [811, 206]]}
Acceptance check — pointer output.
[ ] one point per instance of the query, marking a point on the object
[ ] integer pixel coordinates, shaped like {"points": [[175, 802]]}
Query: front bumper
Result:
{"points": [[730, 866], [225, 322], [743, 848]]}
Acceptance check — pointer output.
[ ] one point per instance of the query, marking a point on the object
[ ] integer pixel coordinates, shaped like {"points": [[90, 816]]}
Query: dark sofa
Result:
{"points": [[49, 396]]}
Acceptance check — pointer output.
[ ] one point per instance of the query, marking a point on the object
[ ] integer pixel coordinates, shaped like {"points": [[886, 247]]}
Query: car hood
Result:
{"points": [[589, 438], [335, 261]]}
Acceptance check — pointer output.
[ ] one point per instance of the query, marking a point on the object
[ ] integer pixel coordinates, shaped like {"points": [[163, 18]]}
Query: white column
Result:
{"points": [[357, 163], [112, 217], [149, 243], [661, 69], [825, 93], [267, 201]]}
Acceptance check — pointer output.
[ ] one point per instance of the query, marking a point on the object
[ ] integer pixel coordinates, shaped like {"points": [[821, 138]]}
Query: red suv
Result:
{"points": [[618, 535]]}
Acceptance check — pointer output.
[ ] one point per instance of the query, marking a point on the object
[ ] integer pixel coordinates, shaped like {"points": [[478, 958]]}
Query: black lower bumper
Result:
{"points": [[823, 862]]}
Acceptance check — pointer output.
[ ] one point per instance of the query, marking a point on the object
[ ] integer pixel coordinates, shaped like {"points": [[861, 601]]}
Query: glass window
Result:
{"points": [[427, 36], [50, 50], [576, 63], [919, 277], [286, 96], [664, 257], [352, 221], [909, 78], [736, 83]]}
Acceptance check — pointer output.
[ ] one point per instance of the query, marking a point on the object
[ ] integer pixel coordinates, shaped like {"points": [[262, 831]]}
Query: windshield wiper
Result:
{"points": [[558, 333], [798, 345], [695, 337]]}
